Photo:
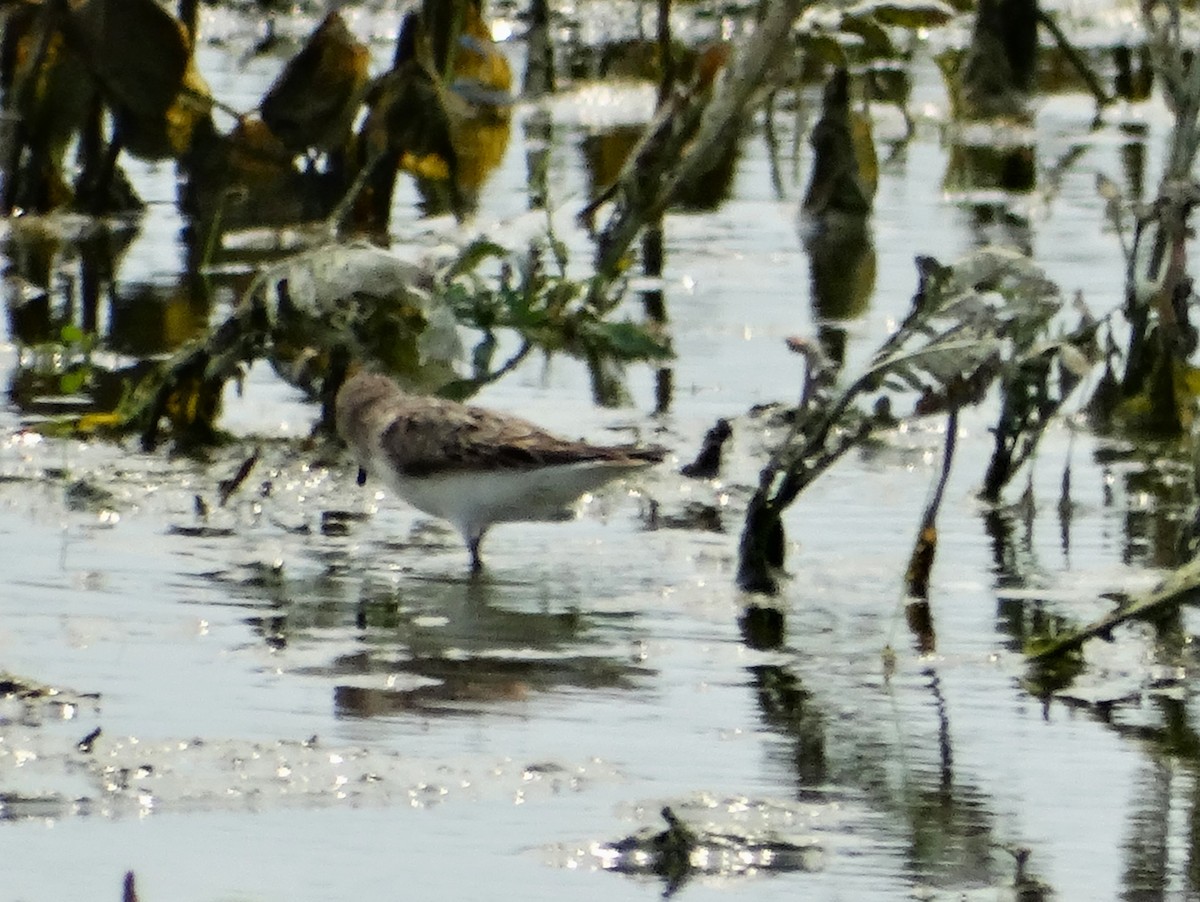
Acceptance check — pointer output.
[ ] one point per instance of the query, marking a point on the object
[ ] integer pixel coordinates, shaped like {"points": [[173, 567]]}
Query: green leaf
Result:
{"points": [[626, 340], [71, 334], [522, 313], [473, 254], [70, 383]]}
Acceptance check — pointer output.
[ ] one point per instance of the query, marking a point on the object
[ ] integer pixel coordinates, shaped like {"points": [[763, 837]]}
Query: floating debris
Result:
{"points": [[707, 464], [38, 702], [117, 776], [685, 851]]}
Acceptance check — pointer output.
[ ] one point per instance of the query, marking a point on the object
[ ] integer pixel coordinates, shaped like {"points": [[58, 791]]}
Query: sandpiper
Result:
{"points": [[471, 466]]}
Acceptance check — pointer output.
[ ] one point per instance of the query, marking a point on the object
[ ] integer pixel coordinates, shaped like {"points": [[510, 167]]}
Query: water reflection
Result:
{"points": [[66, 305], [1162, 836], [842, 268], [1133, 160], [1148, 837], [1023, 615], [942, 821], [539, 139], [834, 221], [71, 261], [786, 707], [1146, 698], [998, 223], [429, 647], [437, 647], [1151, 486]]}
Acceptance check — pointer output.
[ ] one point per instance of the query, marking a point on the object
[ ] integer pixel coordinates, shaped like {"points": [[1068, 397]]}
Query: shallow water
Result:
{"points": [[304, 696]]}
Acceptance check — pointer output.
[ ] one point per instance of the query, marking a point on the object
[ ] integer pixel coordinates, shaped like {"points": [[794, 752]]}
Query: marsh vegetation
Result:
{"points": [[905, 285]]}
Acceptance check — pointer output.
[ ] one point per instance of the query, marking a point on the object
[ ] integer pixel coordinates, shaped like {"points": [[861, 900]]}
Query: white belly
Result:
{"points": [[474, 499]]}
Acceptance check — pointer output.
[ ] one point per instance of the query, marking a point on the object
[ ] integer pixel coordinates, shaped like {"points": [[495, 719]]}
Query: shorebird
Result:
{"points": [[471, 466]]}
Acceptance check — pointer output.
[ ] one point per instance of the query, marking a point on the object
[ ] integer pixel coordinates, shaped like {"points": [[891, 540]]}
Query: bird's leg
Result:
{"points": [[473, 541]]}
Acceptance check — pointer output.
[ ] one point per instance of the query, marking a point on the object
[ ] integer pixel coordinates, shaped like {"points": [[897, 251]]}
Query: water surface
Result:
{"points": [[306, 696]]}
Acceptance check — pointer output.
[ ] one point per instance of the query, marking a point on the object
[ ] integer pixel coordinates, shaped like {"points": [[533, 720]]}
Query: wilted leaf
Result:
{"points": [[408, 119], [137, 51], [313, 102]]}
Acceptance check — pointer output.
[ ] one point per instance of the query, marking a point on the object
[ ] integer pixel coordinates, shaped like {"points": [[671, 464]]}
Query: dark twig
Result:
{"points": [[1181, 587], [129, 890], [916, 578], [226, 487]]}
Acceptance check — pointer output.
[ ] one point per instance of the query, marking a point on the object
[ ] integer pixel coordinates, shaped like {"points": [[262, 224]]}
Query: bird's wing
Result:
{"points": [[434, 435]]}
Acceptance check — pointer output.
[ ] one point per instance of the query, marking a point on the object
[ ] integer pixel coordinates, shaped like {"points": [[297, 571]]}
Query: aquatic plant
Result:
{"points": [[441, 113], [984, 320], [312, 313], [697, 121], [1155, 390]]}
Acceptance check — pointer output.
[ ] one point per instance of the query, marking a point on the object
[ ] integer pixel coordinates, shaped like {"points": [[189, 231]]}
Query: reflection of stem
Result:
{"points": [[607, 389], [945, 750], [653, 258], [1075, 59], [664, 389], [772, 142], [95, 270], [540, 128], [655, 304], [1148, 842], [52, 12], [653, 246], [226, 487], [1065, 505]]}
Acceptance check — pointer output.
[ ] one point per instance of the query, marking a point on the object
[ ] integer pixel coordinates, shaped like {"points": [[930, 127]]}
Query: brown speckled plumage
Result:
{"points": [[470, 465]]}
